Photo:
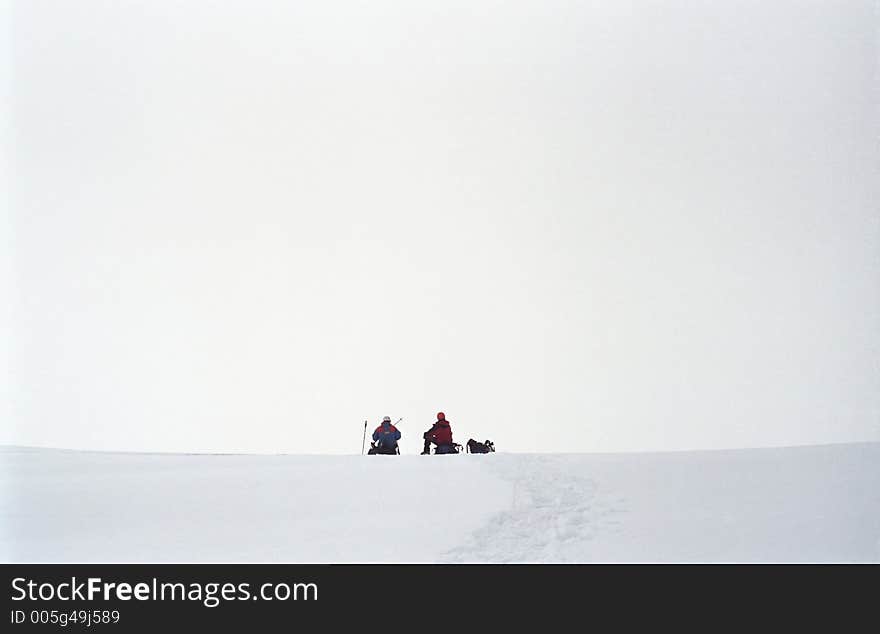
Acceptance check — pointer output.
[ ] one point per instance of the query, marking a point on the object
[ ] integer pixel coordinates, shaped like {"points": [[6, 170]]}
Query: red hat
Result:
{"points": [[441, 416]]}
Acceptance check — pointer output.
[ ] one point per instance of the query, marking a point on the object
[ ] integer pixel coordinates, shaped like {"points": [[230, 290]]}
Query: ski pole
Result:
{"points": [[364, 441]]}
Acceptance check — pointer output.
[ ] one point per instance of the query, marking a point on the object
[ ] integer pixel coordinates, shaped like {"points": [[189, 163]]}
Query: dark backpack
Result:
{"points": [[480, 447], [383, 449]]}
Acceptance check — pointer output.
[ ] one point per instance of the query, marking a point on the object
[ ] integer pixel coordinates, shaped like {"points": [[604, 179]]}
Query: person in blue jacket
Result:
{"points": [[385, 437]]}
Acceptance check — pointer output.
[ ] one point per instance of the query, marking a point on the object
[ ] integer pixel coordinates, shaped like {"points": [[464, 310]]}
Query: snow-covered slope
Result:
{"points": [[793, 504]]}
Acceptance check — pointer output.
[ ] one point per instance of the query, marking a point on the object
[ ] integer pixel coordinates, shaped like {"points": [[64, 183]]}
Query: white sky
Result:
{"points": [[572, 226]]}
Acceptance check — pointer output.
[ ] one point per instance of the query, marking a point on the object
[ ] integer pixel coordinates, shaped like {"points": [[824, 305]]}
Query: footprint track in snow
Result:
{"points": [[552, 514]]}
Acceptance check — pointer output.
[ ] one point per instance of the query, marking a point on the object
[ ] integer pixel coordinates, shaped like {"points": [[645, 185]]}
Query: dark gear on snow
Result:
{"points": [[480, 447]]}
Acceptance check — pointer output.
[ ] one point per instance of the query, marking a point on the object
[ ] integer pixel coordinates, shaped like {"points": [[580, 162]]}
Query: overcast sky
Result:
{"points": [[572, 226]]}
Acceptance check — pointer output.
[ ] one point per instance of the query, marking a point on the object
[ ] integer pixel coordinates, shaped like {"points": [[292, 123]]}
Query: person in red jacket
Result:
{"points": [[441, 435]]}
